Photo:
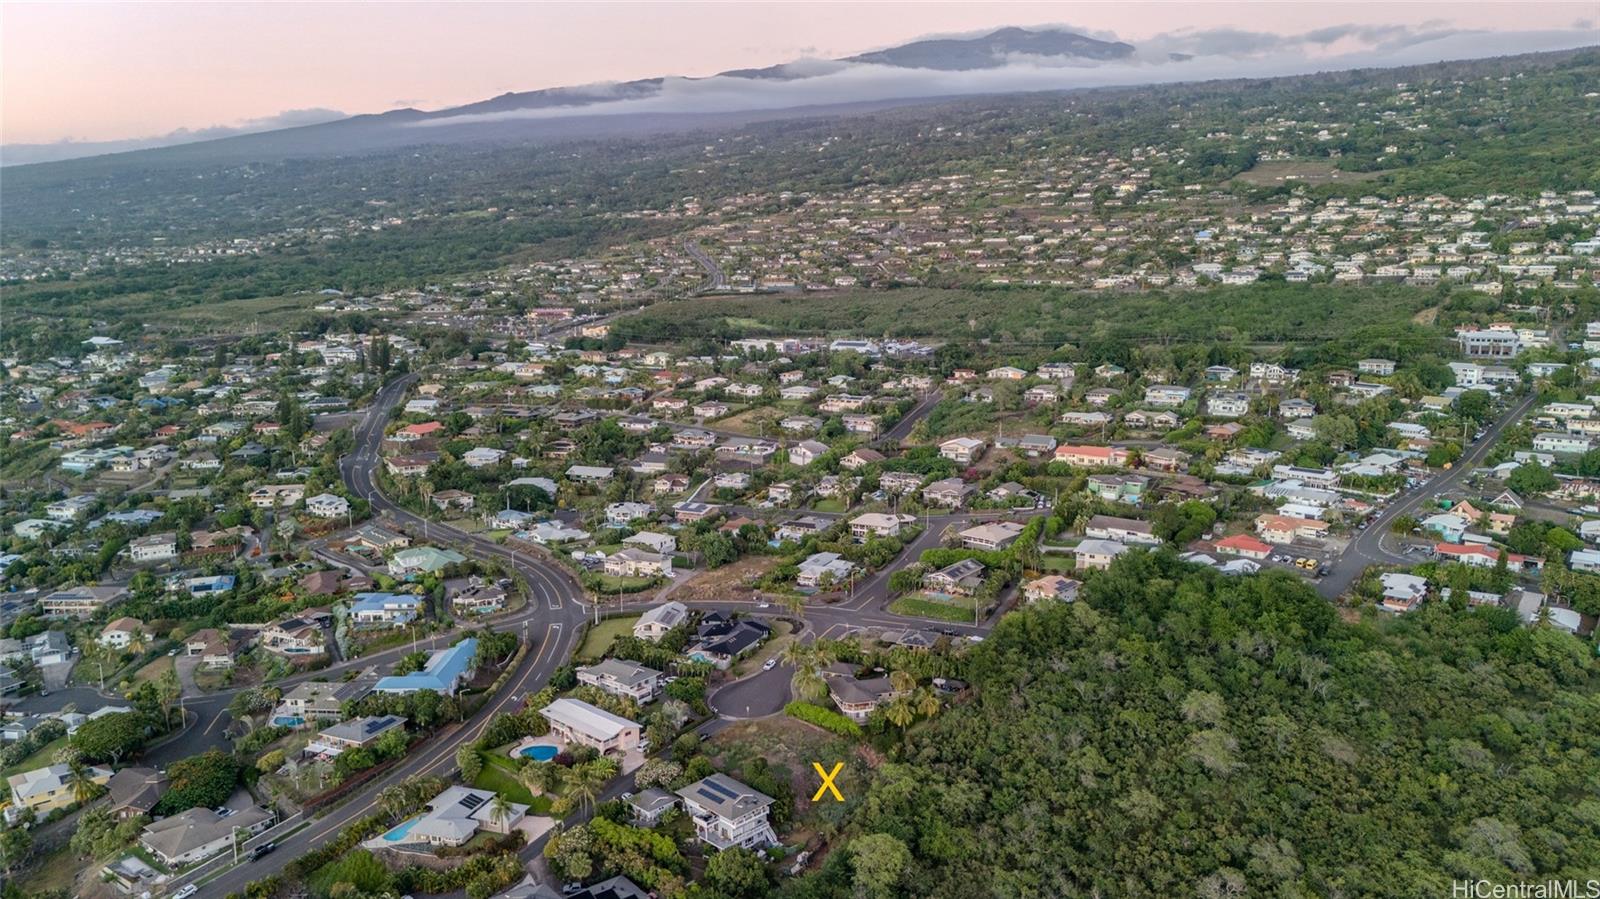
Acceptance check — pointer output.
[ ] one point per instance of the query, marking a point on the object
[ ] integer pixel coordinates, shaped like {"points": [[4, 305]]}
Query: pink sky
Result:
{"points": [[98, 71]]}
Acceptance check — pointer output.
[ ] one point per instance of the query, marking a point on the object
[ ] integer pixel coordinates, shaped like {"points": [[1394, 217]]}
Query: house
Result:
{"points": [[153, 548], [1092, 456], [458, 814], [727, 813], [1166, 395], [686, 512], [860, 458], [1122, 530], [1227, 405], [900, 483], [1380, 367], [1296, 408], [214, 647], [1051, 586], [857, 698], [298, 636], [1401, 592], [275, 496], [951, 493], [445, 500], [1118, 488], [1447, 526], [589, 474], [384, 609], [655, 623], [648, 806], [618, 515], [576, 722], [622, 678], [806, 452], [1584, 560], [423, 560], [1165, 459], [132, 792], [877, 524], [47, 789], [1097, 554], [823, 570], [962, 450], [199, 833], [357, 733], [962, 578], [991, 536], [120, 634], [1244, 545], [1561, 444], [1284, 529], [632, 561], [479, 596], [312, 701], [80, 602], [445, 672], [1479, 555], [719, 639], [327, 505]]}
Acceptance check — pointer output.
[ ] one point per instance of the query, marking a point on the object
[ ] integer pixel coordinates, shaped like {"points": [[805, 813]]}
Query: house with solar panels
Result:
{"points": [[455, 815], [357, 733], [447, 670], [727, 813]]}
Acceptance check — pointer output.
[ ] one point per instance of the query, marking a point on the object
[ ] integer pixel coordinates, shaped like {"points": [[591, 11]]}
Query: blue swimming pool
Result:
{"points": [[540, 753], [288, 721], [399, 831]]}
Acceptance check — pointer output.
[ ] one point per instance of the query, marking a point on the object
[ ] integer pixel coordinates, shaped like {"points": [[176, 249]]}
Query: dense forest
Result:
{"points": [[1179, 733]]}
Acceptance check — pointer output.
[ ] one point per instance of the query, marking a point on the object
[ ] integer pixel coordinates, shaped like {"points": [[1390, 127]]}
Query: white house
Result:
{"points": [[327, 505], [620, 677], [656, 622], [727, 813]]}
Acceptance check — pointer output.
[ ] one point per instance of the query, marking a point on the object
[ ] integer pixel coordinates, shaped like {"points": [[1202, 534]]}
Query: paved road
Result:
{"points": [[552, 619], [715, 280], [1368, 549]]}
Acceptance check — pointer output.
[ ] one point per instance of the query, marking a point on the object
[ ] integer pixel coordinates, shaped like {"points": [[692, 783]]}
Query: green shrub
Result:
{"points": [[827, 719]]}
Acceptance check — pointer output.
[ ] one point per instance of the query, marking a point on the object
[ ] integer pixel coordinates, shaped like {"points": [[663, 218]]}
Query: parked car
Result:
{"points": [[769, 665], [186, 891], [263, 849]]}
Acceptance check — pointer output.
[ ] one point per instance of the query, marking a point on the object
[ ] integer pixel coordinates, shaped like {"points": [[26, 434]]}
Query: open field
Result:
{"points": [[1305, 171], [925, 605], [599, 637]]}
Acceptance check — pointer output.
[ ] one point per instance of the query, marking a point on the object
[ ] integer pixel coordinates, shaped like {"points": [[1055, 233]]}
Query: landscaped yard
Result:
{"points": [[45, 755], [940, 606], [499, 775], [600, 636], [780, 638]]}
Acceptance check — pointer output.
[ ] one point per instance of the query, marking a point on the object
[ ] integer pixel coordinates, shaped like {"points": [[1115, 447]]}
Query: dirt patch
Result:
{"points": [[1307, 171], [728, 582], [1427, 316]]}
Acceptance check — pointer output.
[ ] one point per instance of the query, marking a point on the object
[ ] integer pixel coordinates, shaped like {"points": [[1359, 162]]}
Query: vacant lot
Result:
{"points": [[1308, 171], [939, 606], [600, 636]]}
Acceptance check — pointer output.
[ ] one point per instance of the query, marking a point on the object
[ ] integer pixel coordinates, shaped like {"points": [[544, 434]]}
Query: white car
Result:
{"points": [[187, 891], [769, 665]]}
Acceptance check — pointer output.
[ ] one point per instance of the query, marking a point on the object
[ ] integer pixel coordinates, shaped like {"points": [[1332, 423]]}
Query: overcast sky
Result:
{"points": [[106, 71]]}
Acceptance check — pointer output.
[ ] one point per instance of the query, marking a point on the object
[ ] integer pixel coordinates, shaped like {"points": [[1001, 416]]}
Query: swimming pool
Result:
{"points": [[540, 753], [288, 721], [399, 831]]}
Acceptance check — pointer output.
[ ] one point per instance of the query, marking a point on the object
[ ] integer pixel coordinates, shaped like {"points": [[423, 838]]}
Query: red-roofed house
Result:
{"points": [[1092, 456], [1285, 528], [1244, 545], [1483, 556], [418, 431]]}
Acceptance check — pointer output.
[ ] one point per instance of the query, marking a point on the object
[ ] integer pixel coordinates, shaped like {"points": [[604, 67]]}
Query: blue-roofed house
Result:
{"points": [[385, 609], [446, 671], [203, 585]]}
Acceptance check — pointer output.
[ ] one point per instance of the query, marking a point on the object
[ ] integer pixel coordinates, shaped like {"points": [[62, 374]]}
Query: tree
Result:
{"points": [[469, 761], [199, 781], [880, 862], [738, 873], [500, 810], [16, 844], [1531, 479], [808, 660], [110, 738]]}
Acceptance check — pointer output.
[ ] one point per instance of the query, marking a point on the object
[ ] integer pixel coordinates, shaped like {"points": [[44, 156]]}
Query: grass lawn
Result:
{"points": [[56, 872], [599, 637], [1055, 564], [922, 605], [609, 584], [832, 504], [499, 775], [770, 649], [45, 755], [151, 672]]}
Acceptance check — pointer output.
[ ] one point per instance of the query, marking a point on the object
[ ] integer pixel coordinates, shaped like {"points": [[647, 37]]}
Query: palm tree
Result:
{"points": [[902, 681], [580, 787], [534, 776], [808, 660], [795, 605], [499, 811], [899, 712], [927, 703], [170, 691], [81, 781]]}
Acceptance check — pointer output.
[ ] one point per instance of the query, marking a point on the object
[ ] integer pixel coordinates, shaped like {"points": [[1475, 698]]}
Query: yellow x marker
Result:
{"points": [[827, 781]]}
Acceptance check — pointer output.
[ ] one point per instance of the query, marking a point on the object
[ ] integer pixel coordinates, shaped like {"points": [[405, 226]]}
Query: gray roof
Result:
{"points": [[725, 797], [187, 831], [652, 800], [625, 672]]}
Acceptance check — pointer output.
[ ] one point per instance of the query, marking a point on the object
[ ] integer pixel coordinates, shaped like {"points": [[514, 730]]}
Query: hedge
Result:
{"points": [[827, 719]]}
